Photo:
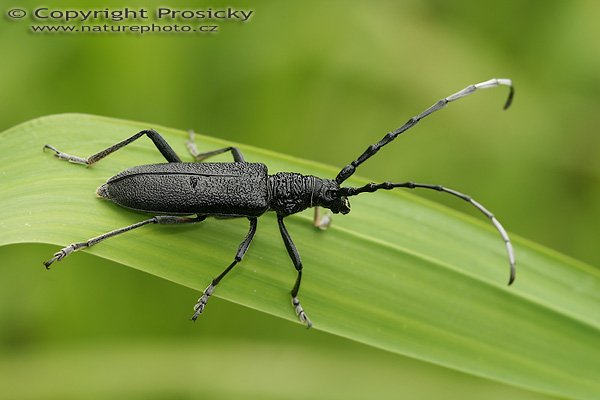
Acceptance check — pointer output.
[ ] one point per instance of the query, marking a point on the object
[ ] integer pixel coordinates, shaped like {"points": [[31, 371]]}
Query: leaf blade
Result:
{"points": [[398, 273]]}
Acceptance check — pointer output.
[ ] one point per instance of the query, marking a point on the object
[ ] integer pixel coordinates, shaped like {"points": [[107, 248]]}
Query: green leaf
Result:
{"points": [[398, 273]]}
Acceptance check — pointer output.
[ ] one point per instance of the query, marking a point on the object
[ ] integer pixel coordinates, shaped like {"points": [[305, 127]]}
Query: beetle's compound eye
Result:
{"points": [[331, 198], [339, 205]]}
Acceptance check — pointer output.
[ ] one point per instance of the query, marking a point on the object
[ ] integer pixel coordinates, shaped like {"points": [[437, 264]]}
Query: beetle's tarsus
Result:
{"points": [[191, 144], [199, 308], [59, 255], [201, 304], [49, 146], [50, 262], [300, 313], [65, 156], [322, 221]]}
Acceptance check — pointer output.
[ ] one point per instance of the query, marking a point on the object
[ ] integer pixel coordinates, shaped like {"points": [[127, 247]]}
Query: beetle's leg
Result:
{"points": [[295, 256], [160, 143], [199, 307], [160, 219], [191, 145], [321, 221]]}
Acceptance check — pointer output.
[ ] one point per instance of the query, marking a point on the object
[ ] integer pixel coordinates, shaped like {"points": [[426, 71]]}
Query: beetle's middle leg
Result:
{"points": [[160, 219], [295, 256], [201, 304], [191, 145]]}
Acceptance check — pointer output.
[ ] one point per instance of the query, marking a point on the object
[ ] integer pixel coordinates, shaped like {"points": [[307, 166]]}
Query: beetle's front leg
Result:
{"points": [[321, 221], [295, 256]]}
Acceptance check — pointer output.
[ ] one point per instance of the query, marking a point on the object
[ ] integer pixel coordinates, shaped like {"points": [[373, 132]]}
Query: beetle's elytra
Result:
{"points": [[179, 192]]}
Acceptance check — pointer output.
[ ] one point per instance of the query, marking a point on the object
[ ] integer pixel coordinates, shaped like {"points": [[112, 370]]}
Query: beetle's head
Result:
{"points": [[328, 196]]}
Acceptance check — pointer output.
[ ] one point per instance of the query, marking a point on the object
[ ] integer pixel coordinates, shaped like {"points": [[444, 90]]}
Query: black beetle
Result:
{"points": [[188, 192]]}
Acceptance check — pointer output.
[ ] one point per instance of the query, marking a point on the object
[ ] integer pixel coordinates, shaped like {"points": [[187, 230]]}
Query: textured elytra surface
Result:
{"points": [[230, 189]]}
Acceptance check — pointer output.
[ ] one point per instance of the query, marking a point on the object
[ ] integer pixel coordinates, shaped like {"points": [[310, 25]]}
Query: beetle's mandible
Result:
{"points": [[179, 192]]}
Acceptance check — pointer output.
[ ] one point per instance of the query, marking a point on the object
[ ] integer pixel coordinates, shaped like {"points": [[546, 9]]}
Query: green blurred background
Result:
{"points": [[319, 80]]}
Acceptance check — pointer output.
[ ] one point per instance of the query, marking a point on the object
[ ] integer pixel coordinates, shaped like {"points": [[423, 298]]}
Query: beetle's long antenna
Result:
{"points": [[372, 187], [349, 169]]}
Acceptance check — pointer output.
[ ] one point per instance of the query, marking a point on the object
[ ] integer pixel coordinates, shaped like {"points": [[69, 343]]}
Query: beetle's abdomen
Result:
{"points": [[226, 189]]}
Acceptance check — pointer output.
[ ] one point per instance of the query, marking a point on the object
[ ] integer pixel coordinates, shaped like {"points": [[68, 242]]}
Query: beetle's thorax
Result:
{"points": [[290, 193]]}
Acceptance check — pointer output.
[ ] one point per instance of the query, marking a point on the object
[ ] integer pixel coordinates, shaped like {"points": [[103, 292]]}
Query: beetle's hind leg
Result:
{"points": [[193, 149], [161, 219], [295, 256], [160, 143], [201, 304]]}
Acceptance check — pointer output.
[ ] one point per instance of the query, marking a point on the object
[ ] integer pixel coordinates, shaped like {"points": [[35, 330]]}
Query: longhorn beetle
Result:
{"points": [[188, 192]]}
